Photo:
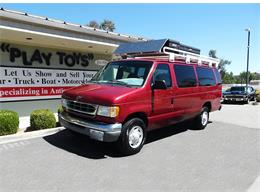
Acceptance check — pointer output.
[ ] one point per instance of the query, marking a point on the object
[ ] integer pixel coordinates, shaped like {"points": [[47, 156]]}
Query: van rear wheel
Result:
{"points": [[132, 137], [201, 121]]}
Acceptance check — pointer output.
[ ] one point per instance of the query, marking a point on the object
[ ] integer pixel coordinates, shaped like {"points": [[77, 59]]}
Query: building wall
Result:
{"points": [[41, 57], [24, 108], [34, 77]]}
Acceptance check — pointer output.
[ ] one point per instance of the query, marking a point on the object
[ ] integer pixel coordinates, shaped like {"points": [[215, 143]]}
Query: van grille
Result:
{"points": [[82, 107]]}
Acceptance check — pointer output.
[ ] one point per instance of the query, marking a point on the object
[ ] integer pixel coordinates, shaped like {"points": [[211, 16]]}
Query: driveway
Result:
{"points": [[223, 157]]}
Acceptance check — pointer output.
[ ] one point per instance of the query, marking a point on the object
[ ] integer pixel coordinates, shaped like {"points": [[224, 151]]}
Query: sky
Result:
{"points": [[206, 26]]}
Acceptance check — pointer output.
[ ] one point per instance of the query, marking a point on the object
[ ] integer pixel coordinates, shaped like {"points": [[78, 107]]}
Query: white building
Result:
{"points": [[40, 57]]}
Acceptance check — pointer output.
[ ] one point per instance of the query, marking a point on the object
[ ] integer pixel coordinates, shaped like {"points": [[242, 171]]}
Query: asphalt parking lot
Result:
{"points": [[223, 157]]}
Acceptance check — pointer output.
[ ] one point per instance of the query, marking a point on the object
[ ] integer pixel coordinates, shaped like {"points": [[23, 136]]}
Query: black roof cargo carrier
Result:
{"points": [[152, 47], [164, 48]]}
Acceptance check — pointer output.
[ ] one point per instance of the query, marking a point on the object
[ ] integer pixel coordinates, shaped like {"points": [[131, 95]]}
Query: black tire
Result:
{"points": [[123, 144], [199, 122], [247, 101]]}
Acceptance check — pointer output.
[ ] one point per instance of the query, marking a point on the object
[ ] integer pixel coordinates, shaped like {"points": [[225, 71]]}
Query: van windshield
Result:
{"points": [[128, 73]]}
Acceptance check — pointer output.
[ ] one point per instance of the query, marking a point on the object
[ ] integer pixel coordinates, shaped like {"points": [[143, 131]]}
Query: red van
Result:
{"points": [[160, 83]]}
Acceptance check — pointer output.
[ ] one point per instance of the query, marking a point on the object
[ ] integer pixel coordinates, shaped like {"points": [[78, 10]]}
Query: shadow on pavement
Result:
{"points": [[85, 147], [234, 103]]}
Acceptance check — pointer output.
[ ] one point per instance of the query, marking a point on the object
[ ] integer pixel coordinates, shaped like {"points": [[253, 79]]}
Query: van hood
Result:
{"points": [[102, 94]]}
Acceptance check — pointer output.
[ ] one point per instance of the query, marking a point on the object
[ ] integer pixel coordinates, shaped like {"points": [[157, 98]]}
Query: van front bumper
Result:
{"points": [[95, 130]]}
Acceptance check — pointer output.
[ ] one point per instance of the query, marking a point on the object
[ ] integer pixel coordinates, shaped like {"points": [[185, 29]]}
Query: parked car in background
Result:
{"points": [[239, 94], [222, 93]]}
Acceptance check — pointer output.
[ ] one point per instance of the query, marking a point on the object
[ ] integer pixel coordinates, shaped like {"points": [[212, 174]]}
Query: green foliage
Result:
{"points": [[212, 53], [254, 76], [228, 78], [9, 122], [108, 25], [222, 63], [257, 93], [60, 109], [42, 119], [94, 24], [242, 77]]}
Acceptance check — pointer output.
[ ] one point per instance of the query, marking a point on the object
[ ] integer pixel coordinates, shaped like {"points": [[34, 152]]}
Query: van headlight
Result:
{"points": [[64, 102], [108, 111]]}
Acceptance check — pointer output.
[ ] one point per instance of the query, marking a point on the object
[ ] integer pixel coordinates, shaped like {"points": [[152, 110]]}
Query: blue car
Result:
{"points": [[239, 94]]}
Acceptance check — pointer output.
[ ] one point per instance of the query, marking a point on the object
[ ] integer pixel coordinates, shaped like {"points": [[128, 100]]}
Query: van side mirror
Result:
{"points": [[159, 84]]}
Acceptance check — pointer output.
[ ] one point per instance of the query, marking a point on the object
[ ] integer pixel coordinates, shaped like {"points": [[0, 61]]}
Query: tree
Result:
{"points": [[242, 77], [228, 78], [222, 63], [255, 76], [108, 25], [212, 53], [94, 24]]}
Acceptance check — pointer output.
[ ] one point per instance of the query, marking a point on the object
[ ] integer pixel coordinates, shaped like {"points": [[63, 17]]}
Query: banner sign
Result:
{"points": [[32, 83], [37, 56]]}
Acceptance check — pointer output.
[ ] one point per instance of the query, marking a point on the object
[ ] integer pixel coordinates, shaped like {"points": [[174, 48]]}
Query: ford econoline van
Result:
{"points": [[146, 91]]}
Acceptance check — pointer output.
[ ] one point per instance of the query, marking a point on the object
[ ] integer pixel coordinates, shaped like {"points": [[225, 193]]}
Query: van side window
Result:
{"points": [[218, 76], [205, 76], [185, 76], [162, 72]]}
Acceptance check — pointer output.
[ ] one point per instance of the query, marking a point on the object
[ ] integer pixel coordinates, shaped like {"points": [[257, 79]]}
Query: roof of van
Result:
{"points": [[163, 61]]}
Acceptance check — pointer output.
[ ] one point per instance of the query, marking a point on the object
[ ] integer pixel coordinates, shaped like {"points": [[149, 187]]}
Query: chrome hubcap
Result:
{"points": [[204, 118], [135, 136]]}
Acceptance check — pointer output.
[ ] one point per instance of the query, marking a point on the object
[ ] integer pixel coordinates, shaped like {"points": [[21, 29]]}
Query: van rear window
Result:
{"points": [[205, 76], [185, 76], [218, 76]]}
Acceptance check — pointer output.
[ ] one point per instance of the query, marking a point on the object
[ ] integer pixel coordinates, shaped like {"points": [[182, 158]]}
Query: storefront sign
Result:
{"points": [[37, 56], [32, 83], [30, 72]]}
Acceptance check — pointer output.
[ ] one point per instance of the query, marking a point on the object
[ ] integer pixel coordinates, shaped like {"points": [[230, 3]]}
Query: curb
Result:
{"points": [[255, 187], [29, 135]]}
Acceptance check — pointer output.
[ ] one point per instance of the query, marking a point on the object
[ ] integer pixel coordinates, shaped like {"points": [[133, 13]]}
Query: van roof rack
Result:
{"points": [[165, 49]]}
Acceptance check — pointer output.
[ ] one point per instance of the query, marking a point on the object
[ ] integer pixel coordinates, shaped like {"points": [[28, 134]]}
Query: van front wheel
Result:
{"points": [[201, 121], [132, 137]]}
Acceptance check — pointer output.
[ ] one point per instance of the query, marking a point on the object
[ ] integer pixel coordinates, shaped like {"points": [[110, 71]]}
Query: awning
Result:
{"points": [[30, 37]]}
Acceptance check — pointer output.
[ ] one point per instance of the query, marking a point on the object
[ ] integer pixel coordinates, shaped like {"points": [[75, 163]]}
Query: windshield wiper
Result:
{"points": [[92, 81], [119, 82]]}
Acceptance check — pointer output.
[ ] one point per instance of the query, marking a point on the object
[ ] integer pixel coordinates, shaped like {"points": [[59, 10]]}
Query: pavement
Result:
{"points": [[246, 115], [222, 157]]}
